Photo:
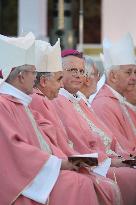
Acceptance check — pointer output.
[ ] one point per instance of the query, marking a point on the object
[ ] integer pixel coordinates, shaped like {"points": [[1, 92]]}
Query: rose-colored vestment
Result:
{"points": [[56, 131], [108, 108], [61, 139], [22, 158], [80, 133]]}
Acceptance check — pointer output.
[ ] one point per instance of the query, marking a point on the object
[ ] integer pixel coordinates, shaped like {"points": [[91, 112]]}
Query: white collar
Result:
{"points": [[8, 89], [122, 99], [131, 106], [83, 97], [100, 83], [69, 96], [116, 94]]}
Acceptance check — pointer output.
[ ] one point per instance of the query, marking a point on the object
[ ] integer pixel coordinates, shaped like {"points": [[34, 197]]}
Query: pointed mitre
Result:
{"points": [[47, 57], [16, 52], [120, 53]]}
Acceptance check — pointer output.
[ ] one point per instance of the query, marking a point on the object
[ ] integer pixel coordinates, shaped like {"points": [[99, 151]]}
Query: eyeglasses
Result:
{"points": [[75, 71], [92, 74]]}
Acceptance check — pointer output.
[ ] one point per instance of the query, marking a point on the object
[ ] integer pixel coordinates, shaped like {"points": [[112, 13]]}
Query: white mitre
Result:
{"points": [[119, 53], [47, 57], [16, 52]]}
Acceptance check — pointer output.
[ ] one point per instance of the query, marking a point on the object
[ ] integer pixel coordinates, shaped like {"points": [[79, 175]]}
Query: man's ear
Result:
{"points": [[87, 82], [43, 81], [113, 76], [21, 77]]}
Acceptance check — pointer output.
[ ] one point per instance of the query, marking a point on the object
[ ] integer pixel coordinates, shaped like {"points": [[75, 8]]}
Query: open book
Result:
{"points": [[84, 159], [130, 161], [91, 160]]}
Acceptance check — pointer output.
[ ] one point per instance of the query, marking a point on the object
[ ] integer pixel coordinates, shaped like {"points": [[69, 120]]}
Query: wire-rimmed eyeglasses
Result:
{"points": [[75, 71]]}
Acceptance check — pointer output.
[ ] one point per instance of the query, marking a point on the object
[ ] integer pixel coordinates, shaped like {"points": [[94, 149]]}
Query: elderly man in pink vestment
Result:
{"points": [[30, 172], [47, 84], [80, 123], [90, 80], [119, 62]]}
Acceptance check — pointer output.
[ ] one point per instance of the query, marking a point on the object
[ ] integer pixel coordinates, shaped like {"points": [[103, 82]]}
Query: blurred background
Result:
{"points": [[80, 24]]}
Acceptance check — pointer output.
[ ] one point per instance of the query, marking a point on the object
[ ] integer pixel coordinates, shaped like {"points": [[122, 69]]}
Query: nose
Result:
{"points": [[77, 75], [133, 77]]}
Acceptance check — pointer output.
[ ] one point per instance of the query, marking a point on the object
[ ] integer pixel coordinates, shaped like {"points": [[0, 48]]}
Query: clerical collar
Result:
{"points": [[83, 97], [131, 106], [8, 89], [69, 96], [116, 94], [122, 99], [100, 84], [38, 91]]}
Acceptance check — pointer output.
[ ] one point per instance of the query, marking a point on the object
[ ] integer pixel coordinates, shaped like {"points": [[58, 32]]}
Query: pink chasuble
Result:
{"points": [[84, 141], [115, 173], [56, 131], [108, 108], [113, 149], [118, 174], [22, 159], [101, 184]]}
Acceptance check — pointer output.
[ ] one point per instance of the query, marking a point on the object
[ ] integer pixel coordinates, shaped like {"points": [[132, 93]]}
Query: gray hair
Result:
{"points": [[40, 74], [89, 63], [99, 66], [114, 67], [16, 71]]}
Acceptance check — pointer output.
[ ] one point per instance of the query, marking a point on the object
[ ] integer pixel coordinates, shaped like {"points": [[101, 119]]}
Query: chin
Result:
{"points": [[129, 88], [93, 91], [55, 96], [77, 86]]}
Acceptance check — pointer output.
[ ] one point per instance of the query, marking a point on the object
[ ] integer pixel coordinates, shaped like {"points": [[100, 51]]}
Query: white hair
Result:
{"points": [[99, 66], [89, 63], [114, 67]]}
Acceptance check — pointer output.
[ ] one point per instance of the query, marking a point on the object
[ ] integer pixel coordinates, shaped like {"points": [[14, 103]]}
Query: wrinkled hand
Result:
{"points": [[66, 165]]}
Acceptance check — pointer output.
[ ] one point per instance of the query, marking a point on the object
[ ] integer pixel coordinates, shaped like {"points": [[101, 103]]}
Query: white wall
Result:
{"points": [[118, 18], [32, 16]]}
